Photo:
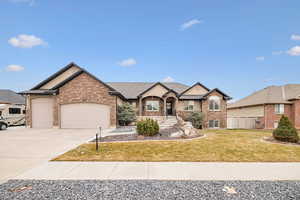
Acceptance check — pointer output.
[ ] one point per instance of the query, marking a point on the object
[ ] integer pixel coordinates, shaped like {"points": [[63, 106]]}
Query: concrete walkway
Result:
{"points": [[164, 171]]}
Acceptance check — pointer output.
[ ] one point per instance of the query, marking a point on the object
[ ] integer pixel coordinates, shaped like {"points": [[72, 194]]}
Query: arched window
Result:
{"points": [[214, 103]]}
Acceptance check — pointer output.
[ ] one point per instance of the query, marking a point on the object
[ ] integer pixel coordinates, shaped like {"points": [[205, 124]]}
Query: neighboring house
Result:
{"points": [[263, 109], [74, 98], [12, 107]]}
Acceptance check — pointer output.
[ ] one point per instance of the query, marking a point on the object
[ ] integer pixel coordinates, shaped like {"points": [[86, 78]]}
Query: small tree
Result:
{"points": [[197, 119], [126, 114], [286, 131]]}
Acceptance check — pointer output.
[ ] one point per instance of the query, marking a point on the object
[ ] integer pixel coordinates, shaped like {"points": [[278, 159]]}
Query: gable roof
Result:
{"points": [[198, 83], [270, 95], [219, 91], [52, 77], [131, 90], [9, 96]]}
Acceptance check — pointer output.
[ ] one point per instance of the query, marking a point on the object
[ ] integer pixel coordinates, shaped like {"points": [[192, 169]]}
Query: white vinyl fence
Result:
{"points": [[241, 122]]}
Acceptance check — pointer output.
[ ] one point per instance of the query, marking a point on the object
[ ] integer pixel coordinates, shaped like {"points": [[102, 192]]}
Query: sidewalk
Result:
{"points": [[163, 171]]}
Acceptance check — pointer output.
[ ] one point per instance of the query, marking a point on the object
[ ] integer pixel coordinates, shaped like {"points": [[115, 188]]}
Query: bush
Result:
{"points": [[148, 127], [285, 131], [126, 114], [196, 118]]}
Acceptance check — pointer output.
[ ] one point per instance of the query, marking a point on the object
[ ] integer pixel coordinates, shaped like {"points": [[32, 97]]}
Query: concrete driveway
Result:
{"points": [[22, 148]]}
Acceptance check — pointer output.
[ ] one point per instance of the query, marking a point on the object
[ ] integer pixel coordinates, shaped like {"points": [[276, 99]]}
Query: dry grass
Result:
{"points": [[218, 146]]}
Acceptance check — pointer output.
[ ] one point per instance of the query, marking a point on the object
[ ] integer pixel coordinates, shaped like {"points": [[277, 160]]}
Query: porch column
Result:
{"points": [[165, 107], [140, 106]]}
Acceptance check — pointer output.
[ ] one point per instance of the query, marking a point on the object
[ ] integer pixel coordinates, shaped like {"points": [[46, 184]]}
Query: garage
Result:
{"points": [[42, 113], [84, 115]]}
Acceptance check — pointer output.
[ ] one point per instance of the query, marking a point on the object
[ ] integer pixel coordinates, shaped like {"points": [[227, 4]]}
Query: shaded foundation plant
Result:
{"points": [[286, 132]]}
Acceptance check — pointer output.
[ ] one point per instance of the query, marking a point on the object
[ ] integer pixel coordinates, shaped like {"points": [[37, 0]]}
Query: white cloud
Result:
{"points": [[168, 79], [14, 68], [127, 62], [295, 51], [26, 41], [190, 24], [295, 37], [277, 53], [260, 58]]}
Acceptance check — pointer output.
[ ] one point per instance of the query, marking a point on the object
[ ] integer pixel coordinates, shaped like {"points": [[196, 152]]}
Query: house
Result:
{"points": [[264, 108], [74, 98], [12, 107]]}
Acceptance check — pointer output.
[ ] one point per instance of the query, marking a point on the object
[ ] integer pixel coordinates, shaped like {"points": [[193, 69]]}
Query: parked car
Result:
{"points": [[3, 124]]}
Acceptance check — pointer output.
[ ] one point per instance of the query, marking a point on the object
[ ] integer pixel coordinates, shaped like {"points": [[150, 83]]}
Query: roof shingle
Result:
{"points": [[271, 94], [131, 90]]}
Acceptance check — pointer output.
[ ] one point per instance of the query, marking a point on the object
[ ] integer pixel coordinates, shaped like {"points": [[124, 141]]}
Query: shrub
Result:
{"points": [[148, 127], [126, 114], [196, 118], [285, 131]]}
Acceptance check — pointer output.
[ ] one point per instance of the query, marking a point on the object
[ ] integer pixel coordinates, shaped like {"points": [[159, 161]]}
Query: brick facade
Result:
{"points": [[215, 115], [296, 113], [271, 117], [82, 89]]}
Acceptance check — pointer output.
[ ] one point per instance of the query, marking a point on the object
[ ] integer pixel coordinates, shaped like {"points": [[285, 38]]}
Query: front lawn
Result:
{"points": [[218, 146]]}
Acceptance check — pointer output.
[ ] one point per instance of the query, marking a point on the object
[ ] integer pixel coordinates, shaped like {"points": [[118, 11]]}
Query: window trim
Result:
{"points": [[214, 100], [152, 101], [279, 109], [214, 124], [187, 105]]}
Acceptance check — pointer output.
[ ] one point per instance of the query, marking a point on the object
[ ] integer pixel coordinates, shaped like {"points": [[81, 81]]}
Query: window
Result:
{"points": [[14, 110], [188, 105], [213, 124], [24, 112], [279, 108], [133, 104], [152, 105], [214, 103]]}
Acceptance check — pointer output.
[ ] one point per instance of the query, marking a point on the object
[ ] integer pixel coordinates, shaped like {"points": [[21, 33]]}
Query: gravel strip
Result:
{"points": [[149, 189]]}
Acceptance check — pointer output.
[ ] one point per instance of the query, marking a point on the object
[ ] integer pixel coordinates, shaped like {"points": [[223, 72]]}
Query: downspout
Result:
{"points": [[117, 121]]}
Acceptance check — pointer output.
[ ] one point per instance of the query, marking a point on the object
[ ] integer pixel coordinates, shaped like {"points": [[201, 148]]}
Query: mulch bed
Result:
{"points": [[164, 134], [271, 139]]}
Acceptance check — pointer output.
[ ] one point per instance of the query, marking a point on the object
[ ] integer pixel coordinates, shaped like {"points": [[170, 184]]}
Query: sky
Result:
{"points": [[237, 46]]}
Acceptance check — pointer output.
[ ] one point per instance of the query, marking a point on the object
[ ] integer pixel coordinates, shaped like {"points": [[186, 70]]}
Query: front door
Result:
{"points": [[169, 108]]}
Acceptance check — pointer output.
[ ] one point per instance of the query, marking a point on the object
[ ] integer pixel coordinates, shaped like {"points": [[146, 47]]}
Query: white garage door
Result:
{"points": [[42, 113], [85, 115]]}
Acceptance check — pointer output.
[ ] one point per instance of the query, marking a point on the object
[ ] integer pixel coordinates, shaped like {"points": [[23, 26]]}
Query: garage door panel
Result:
{"points": [[42, 113], [85, 115]]}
